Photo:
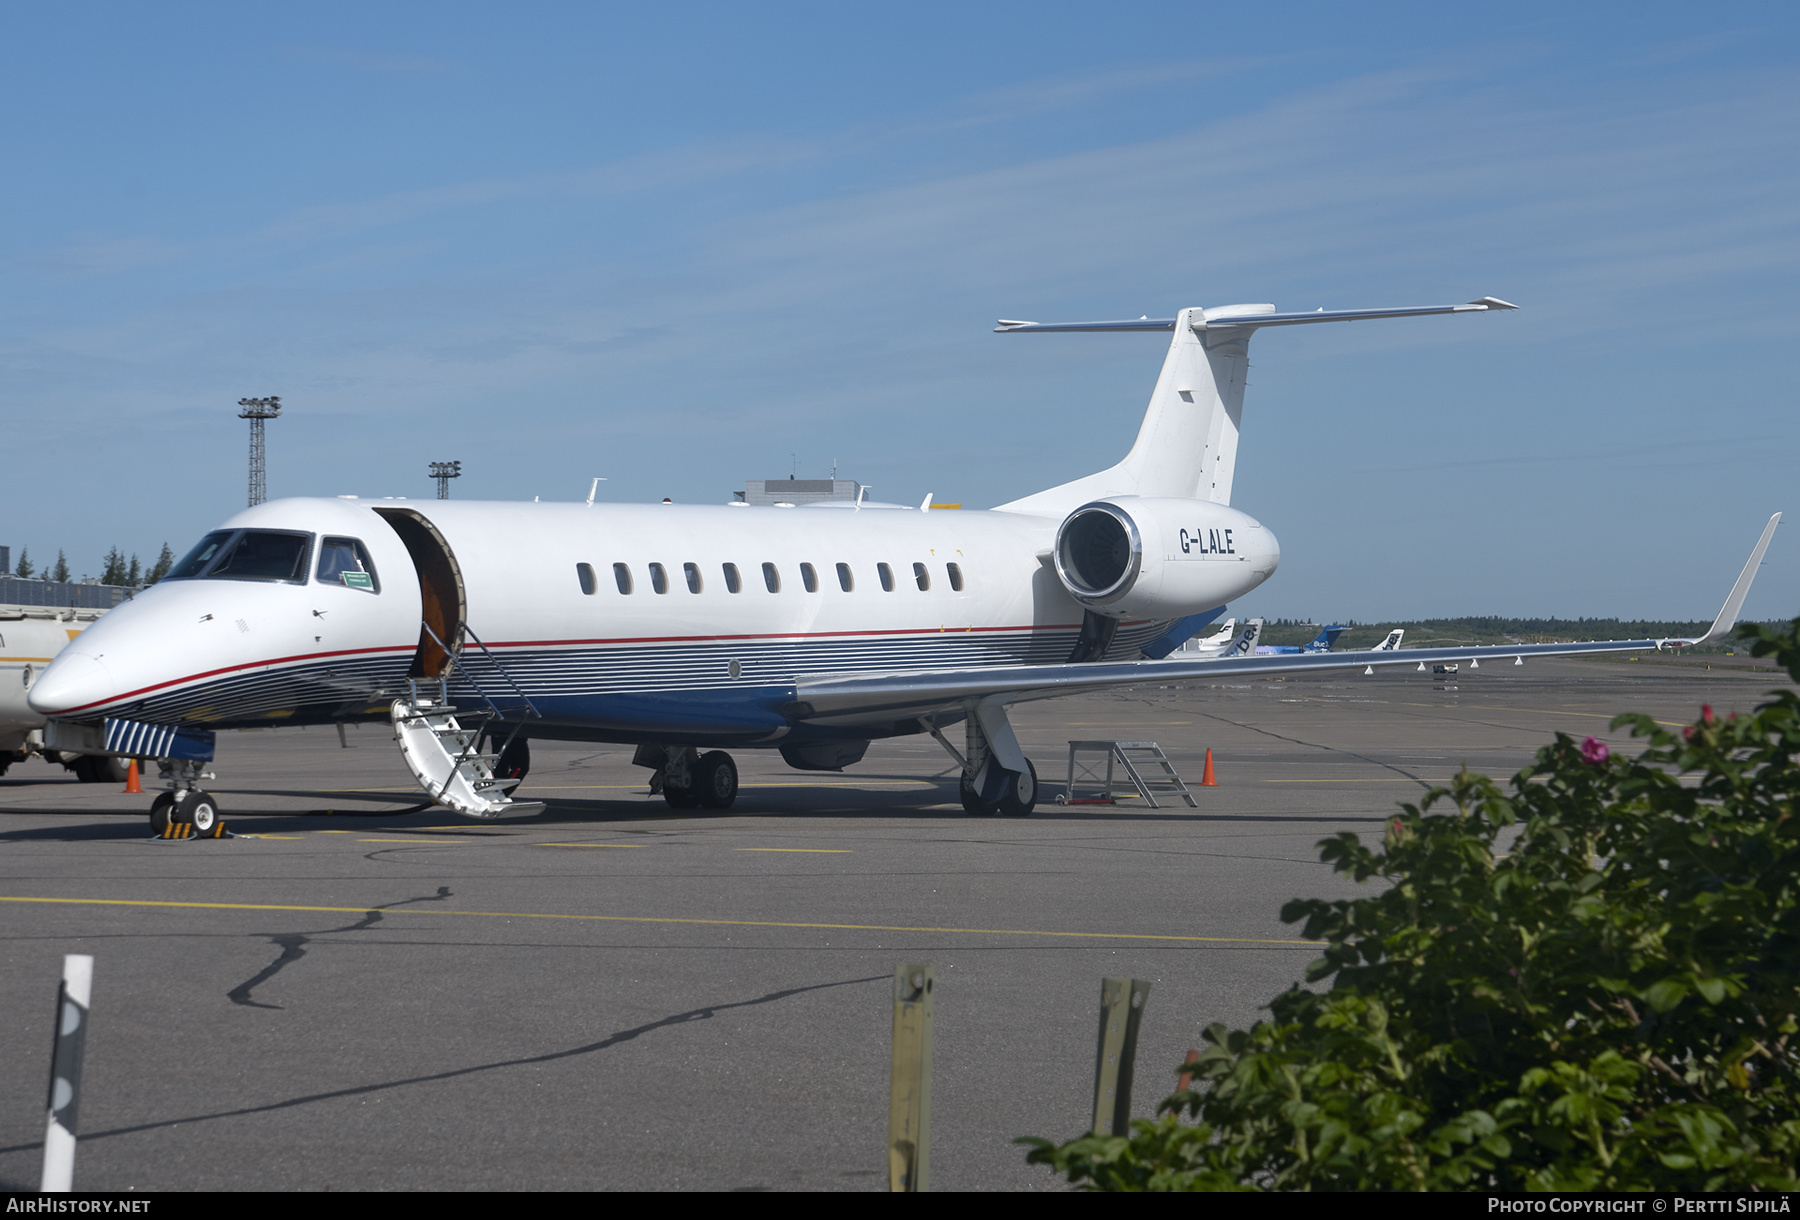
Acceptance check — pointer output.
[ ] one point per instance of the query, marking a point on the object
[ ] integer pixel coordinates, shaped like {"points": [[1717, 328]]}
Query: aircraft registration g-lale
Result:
{"points": [[688, 631]]}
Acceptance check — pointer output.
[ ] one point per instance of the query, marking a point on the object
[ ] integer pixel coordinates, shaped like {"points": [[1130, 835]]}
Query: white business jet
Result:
{"points": [[687, 630]]}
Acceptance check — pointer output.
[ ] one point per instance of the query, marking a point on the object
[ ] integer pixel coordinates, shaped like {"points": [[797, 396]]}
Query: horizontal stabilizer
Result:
{"points": [[1245, 318]]}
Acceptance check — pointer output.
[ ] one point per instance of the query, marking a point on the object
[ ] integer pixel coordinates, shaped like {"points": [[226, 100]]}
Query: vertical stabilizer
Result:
{"points": [[1187, 444]]}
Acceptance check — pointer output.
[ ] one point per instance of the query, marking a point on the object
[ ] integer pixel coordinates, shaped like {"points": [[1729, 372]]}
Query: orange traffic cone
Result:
{"points": [[1206, 777], [131, 780]]}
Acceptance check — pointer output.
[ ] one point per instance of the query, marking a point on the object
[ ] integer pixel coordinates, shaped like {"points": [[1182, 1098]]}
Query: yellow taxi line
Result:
{"points": [[657, 919]]}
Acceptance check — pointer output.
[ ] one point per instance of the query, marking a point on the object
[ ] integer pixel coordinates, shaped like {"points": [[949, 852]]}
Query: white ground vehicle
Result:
{"points": [[30, 638]]}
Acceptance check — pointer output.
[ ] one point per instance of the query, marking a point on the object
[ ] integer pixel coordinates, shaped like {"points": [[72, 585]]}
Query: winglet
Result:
{"points": [[1729, 611]]}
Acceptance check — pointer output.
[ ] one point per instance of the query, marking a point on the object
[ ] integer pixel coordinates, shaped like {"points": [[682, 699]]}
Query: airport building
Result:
{"points": [[798, 491]]}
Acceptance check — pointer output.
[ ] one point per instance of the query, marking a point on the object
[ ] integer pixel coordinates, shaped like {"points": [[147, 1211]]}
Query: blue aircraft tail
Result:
{"points": [[1326, 638]]}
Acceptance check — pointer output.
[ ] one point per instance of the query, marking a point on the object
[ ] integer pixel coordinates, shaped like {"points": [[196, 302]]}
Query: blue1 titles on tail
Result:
{"points": [[689, 631]]}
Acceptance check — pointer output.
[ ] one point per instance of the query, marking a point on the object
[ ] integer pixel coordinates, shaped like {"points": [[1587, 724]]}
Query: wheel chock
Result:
{"points": [[185, 830]]}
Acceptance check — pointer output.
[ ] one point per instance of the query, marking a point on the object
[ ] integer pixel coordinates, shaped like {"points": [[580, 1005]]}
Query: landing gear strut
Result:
{"points": [[689, 779]]}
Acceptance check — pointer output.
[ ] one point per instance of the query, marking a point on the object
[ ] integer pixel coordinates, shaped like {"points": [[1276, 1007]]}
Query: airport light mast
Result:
{"points": [[258, 410], [443, 472]]}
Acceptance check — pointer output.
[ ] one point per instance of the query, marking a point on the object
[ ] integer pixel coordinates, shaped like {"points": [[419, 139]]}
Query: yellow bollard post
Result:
{"points": [[909, 1096], [1121, 1008]]}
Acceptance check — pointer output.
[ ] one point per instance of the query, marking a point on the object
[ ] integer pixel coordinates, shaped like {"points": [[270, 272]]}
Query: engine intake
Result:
{"points": [[1157, 557], [1099, 553]]}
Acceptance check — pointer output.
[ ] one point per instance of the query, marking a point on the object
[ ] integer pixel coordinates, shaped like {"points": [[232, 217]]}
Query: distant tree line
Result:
{"points": [[1486, 629], [115, 570]]}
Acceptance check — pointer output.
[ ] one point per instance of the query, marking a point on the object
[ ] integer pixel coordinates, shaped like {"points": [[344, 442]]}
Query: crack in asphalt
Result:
{"points": [[293, 947], [625, 1035]]}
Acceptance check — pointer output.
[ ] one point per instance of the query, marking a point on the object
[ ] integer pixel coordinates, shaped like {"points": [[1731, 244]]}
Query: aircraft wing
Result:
{"points": [[851, 699]]}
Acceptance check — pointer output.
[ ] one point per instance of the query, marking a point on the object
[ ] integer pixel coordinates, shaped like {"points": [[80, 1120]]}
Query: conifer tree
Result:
{"points": [[112, 571], [164, 562], [134, 575], [61, 570], [24, 569]]}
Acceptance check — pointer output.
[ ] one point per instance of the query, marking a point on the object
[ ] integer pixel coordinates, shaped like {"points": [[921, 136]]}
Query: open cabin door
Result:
{"points": [[443, 606]]}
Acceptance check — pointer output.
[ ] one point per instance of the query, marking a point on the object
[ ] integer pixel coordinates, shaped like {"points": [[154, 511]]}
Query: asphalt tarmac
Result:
{"points": [[611, 996]]}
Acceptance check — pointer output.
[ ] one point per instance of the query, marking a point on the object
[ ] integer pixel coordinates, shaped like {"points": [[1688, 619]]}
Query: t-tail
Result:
{"points": [[1187, 444]]}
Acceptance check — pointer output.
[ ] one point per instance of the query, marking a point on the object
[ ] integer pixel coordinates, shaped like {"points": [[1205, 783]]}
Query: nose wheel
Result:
{"points": [[186, 804]]}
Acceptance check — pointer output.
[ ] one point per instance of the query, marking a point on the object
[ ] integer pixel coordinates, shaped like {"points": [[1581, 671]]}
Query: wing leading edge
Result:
{"points": [[871, 698]]}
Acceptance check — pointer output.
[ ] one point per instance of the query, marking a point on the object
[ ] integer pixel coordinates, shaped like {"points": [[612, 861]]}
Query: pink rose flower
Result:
{"points": [[1594, 752]]}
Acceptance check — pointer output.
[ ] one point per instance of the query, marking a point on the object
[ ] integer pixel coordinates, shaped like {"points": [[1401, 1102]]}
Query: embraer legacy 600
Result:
{"points": [[475, 627]]}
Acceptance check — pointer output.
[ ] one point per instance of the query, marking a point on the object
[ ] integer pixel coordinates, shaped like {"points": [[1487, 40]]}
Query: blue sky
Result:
{"points": [[683, 248]]}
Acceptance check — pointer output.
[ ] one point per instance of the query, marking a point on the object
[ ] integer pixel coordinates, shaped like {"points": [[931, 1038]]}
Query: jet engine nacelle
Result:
{"points": [[1158, 558]]}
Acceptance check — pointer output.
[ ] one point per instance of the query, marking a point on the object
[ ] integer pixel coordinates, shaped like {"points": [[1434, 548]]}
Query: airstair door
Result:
{"points": [[443, 604]]}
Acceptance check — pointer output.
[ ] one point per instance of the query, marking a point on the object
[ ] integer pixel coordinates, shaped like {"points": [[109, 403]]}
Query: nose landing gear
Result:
{"points": [[185, 803]]}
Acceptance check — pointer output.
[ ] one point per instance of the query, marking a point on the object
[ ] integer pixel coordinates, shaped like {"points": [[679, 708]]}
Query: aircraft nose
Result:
{"points": [[73, 681]]}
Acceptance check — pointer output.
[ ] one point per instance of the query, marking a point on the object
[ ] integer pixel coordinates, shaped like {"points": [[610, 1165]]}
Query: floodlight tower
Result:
{"points": [[257, 410], [443, 472]]}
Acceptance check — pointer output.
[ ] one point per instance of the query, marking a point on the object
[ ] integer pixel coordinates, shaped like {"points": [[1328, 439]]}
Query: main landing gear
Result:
{"points": [[689, 779], [988, 786], [185, 803], [1016, 798]]}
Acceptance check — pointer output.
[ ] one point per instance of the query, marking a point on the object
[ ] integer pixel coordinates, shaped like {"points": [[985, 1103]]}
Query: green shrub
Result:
{"points": [[1588, 982]]}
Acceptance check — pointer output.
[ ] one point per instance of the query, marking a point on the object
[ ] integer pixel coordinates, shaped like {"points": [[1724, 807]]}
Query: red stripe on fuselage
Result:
{"points": [[664, 639]]}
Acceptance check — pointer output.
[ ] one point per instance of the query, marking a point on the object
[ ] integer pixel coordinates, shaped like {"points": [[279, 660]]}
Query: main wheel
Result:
{"points": [[972, 803], [160, 810], [680, 798], [199, 809], [515, 760], [716, 780], [1019, 795]]}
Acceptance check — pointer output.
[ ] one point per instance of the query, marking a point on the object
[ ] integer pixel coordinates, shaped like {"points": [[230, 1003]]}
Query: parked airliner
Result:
{"points": [[691, 630]]}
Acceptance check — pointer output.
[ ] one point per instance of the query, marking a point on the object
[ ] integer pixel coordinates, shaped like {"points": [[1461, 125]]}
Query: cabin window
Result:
{"points": [[732, 583], [921, 577], [248, 555], [771, 578], [955, 571], [846, 582], [809, 577], [585, 574], [887, 577], [659, 579], [692, 572], [622, 575], [345, 561]]}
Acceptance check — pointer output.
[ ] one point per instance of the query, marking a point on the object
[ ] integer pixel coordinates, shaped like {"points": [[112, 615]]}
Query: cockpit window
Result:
{"points": [[205, 551], [345, 561], [247, 555]]}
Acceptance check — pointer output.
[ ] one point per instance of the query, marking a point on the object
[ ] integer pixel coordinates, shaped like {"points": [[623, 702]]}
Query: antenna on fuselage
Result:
{"points": [[594, 490]]}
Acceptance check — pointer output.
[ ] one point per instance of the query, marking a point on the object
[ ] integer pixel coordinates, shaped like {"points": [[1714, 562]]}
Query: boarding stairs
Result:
{"points": [[1131, 768], [442, 743]]}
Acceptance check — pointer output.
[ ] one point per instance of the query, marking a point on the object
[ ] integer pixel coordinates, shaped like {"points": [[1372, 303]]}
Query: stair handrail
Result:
{"points": [[463, 629], [487, 652]]}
